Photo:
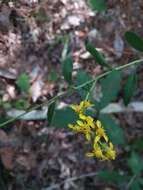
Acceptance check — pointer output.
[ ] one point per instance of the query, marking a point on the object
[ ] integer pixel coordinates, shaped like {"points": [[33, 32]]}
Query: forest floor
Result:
{"points": [[32, 37]]}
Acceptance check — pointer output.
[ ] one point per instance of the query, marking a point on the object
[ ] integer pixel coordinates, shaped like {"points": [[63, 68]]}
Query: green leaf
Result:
{"points": [[135, 185], [81, 78], [97, 56], [23, 82], [4, 119], [141, 181], [110, 87], [66, 47], [21, 104], [41, 16], [50, 113], [67, 67], [53, 76], [129, 88], [134, 40], [135, 163], [112, 176], [98, 5], [4, 177], [137, 145], [113, 130], [63, 117]]}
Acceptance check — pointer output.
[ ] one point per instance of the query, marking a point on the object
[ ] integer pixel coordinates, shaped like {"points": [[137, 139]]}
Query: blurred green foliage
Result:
{"points": [[23, 82], [134, 40], [98, 5]]}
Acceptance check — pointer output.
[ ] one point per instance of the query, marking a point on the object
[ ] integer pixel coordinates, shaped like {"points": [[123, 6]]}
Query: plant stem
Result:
{"points": [[90, 90], [72, 90], [131, 182], [33, 108], [108, 72]]}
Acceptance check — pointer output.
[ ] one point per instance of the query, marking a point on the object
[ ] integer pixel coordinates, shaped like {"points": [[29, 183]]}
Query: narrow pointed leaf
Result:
{"points": [[134, 40], [129, 88], [66, 48], [96, 54], [50, 113], [67, 68]]}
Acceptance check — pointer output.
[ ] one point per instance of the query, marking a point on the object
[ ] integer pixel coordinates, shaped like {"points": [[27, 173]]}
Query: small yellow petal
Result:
{"points": [[71, 126], [111, 145], [80, 123], [87, 104], [110, 153], [98, 123], [83, 117], [97, 138], [89, 119], [90, 154], [99, 154], [106, 138], [75, 108], [81, 104], [88, 136], [100, 132]]}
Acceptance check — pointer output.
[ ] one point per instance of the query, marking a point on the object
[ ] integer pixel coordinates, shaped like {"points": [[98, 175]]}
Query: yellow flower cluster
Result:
{"points": [[93, 132]]}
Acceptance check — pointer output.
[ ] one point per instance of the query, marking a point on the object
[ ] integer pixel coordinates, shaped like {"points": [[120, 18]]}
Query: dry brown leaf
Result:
{"points": [[11, 91], [36, 90], [48, 88], [3, 136], [7, 157], [27, 161]]}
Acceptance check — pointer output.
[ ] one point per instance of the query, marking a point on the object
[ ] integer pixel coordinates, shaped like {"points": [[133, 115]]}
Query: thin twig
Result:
{"points": [[55, 186]]}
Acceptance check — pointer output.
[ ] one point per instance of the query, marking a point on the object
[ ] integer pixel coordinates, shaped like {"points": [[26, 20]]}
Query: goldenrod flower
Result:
{"points": [[81, 108], [102, 147], [97, 149], [76, 108], [89, 120], [102, 151], [83, 128], [100, 132], [97, 152], [110, 152]]}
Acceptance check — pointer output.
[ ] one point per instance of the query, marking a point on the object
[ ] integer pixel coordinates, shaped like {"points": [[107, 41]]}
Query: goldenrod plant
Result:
{"points": [[95, 129]]}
